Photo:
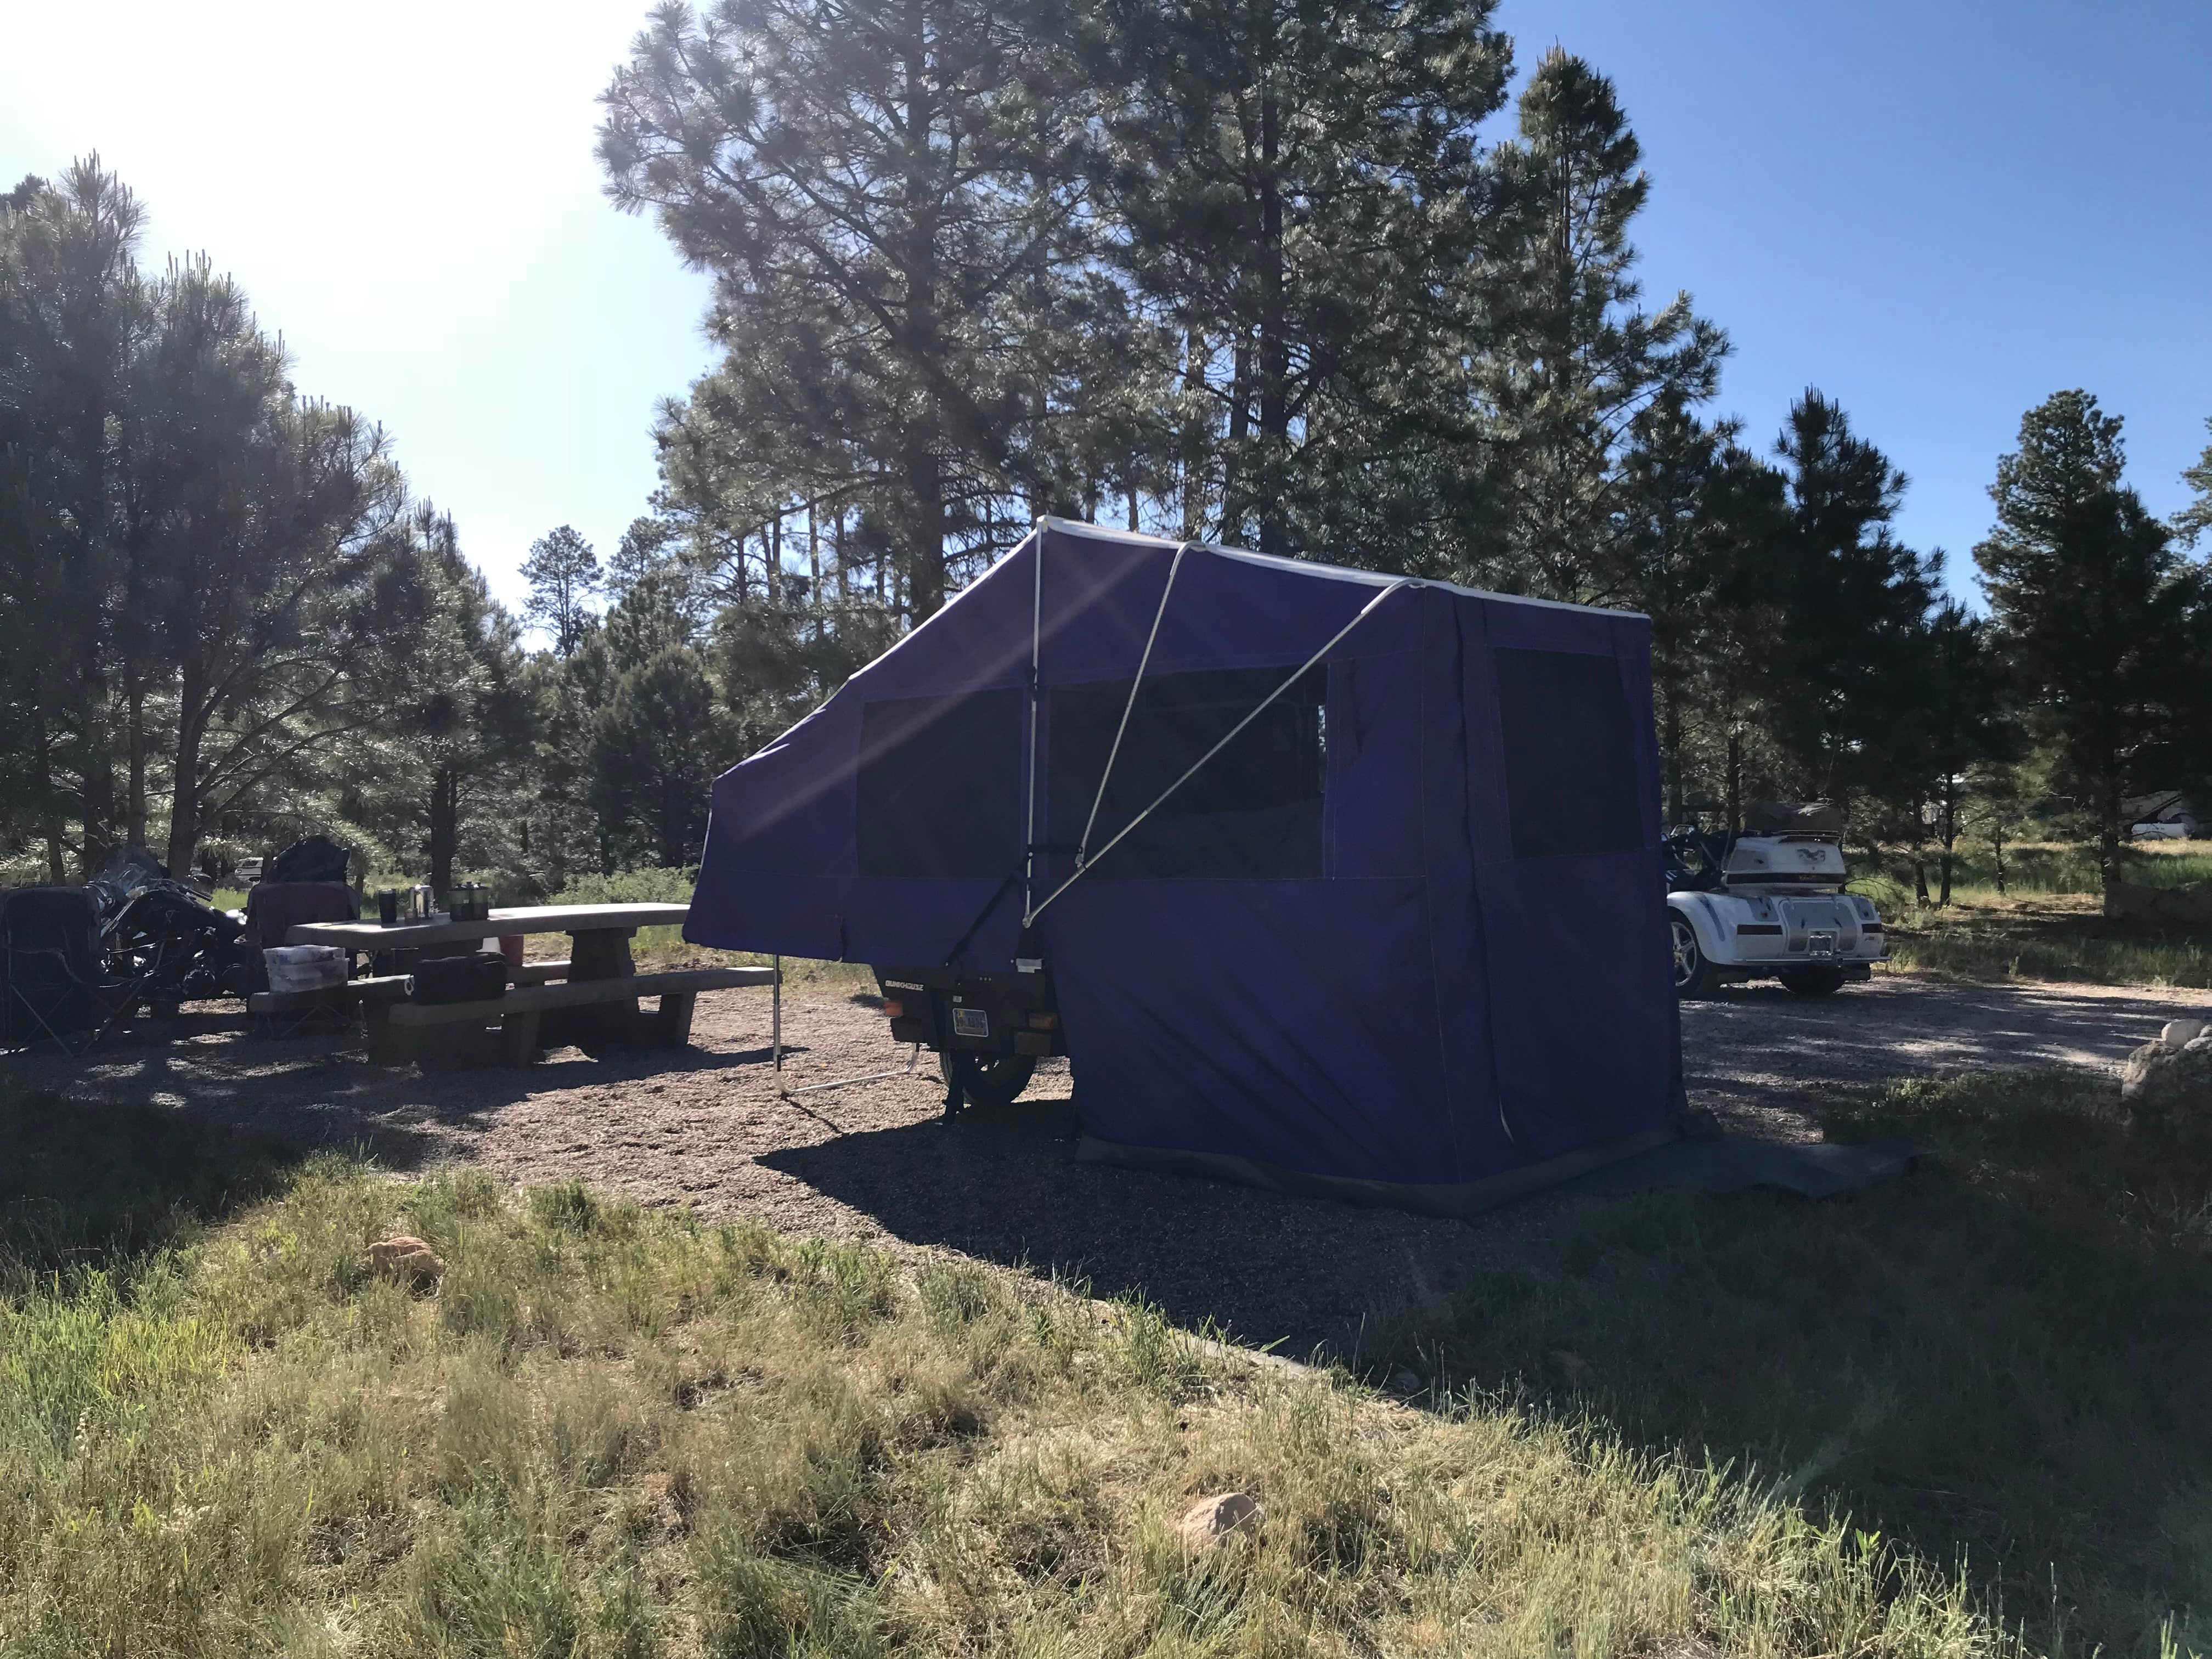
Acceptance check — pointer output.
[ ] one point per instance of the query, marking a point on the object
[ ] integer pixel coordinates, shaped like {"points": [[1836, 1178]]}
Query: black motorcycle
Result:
{"points": [[161, 939], [1695, 858]]}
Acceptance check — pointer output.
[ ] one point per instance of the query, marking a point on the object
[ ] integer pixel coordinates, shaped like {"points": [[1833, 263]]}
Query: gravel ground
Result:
{"points": [[712, 1126]]}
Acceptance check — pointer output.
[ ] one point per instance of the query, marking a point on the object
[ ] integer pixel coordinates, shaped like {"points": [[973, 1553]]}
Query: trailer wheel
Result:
{"points": [[1694, 975], [988, 1079], [1813, 982]]}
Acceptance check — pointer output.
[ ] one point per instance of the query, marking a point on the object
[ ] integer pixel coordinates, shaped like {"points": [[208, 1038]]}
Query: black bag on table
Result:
{"points": [[317, 858], [476, 976]]}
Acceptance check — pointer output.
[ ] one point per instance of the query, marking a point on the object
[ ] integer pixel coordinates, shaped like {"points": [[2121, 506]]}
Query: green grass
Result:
{"points": [[2062, 868], [2064, 937], [630, 887], [2048, 925], [665, 947], [2001, 1363], [654, 947], [616, 1433]]}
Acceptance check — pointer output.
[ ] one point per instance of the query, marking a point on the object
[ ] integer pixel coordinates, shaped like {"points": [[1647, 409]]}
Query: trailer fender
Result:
{"points": [[1716, 938]]}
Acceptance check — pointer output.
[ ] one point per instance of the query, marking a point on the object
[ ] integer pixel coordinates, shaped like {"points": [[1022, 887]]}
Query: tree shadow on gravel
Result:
{"points": [[1294, 1273], [338, 1099], [96, 1183]]}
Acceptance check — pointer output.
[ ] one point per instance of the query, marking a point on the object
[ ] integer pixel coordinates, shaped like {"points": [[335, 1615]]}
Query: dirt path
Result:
{"points": [[1759, 1056], [711, 1127]]}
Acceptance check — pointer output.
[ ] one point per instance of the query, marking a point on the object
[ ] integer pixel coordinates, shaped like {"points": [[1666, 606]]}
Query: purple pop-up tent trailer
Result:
{"points": [[1402, 937]]}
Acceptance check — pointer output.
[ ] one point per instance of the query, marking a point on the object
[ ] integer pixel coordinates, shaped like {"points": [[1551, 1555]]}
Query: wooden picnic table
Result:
{"points": [[600, 933], [540, 1012]]}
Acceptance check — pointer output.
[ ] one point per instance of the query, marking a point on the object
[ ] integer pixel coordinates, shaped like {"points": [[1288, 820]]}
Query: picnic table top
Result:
{"points": [[372, 935]]}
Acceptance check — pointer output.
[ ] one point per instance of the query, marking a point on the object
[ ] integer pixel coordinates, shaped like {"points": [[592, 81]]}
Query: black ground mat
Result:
{"points": [[1731, 1164]]}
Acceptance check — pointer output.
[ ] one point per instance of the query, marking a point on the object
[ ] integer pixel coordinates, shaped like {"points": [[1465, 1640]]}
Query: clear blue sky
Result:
{"points": [[1938, 213]]}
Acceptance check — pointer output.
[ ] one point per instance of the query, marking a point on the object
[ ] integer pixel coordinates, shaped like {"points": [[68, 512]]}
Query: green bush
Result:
{"points": [[652, 886]]}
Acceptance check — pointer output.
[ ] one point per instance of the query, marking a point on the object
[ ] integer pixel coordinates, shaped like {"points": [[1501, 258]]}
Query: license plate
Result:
{"points": [[974, 1021], [1821, 944]]}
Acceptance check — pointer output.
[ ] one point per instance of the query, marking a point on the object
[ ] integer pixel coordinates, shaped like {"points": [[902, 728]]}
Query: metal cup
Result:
{"points": [[387, 906]]}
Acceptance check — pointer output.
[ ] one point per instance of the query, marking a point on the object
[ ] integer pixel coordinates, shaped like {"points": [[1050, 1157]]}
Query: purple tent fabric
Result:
{"points": [[1406, 939]]}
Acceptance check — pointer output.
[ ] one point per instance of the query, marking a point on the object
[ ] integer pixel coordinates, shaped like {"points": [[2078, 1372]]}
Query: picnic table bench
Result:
{"points": [[591, 996], [520, 1014], [291, 1009]]}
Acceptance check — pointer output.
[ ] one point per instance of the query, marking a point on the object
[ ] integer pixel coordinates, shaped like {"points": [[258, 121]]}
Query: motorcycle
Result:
{"points": [[162, 939]]}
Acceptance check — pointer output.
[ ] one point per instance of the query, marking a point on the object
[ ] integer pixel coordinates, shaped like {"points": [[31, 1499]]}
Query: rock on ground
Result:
{"points": [[406, 1257], [1213, 1519], [2169, 1081]]}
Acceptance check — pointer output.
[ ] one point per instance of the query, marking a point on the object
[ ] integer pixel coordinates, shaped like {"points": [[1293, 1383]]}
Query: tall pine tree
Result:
{"points": [[2093, 609], [1576, 362], [563, 575], [885, 192], [1291, 191], [1695, 516], [466, 723], [73, 314], [2194, 520], [1850, 635]]}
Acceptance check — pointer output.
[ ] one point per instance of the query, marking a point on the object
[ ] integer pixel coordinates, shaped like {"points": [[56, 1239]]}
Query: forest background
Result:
{"points": [[1248, 273]]}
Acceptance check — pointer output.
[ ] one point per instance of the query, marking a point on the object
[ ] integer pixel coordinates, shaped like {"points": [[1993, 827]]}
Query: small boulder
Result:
{"points": [[406, 1257], [1213, 1519], [2168, 1084]]}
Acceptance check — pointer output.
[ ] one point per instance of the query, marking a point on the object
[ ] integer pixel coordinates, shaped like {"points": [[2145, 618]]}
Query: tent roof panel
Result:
{"points": [[1311, 567]]}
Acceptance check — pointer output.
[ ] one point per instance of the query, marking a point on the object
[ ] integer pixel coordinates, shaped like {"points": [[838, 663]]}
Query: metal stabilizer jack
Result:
{"points": [[906, 1070]]}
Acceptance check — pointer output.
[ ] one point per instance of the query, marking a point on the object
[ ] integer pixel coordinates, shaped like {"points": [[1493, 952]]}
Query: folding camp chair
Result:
{"points": [[54, 990]]}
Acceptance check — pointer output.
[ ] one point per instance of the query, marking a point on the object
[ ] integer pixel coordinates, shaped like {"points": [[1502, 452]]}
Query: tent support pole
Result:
{"points": [[775, 1012], [1036, 640], [1083, 847], [1297, 675]]}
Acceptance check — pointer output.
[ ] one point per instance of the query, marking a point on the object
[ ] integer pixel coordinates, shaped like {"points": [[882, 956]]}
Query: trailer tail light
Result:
{"points": [[893, 1008], [1045, 1022]]}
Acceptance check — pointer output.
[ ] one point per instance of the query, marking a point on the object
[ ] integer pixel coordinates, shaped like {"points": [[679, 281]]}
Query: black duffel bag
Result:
{"points": [[477, 976], [317, 858]]}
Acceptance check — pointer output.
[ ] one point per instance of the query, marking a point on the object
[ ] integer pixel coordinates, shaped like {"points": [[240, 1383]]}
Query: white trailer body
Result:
{"points": [[1778, 910]]}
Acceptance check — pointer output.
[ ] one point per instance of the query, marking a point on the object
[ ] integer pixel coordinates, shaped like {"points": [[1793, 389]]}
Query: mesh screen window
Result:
{"points": [[1569, 755], [939, 790], [1254, 811]]}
